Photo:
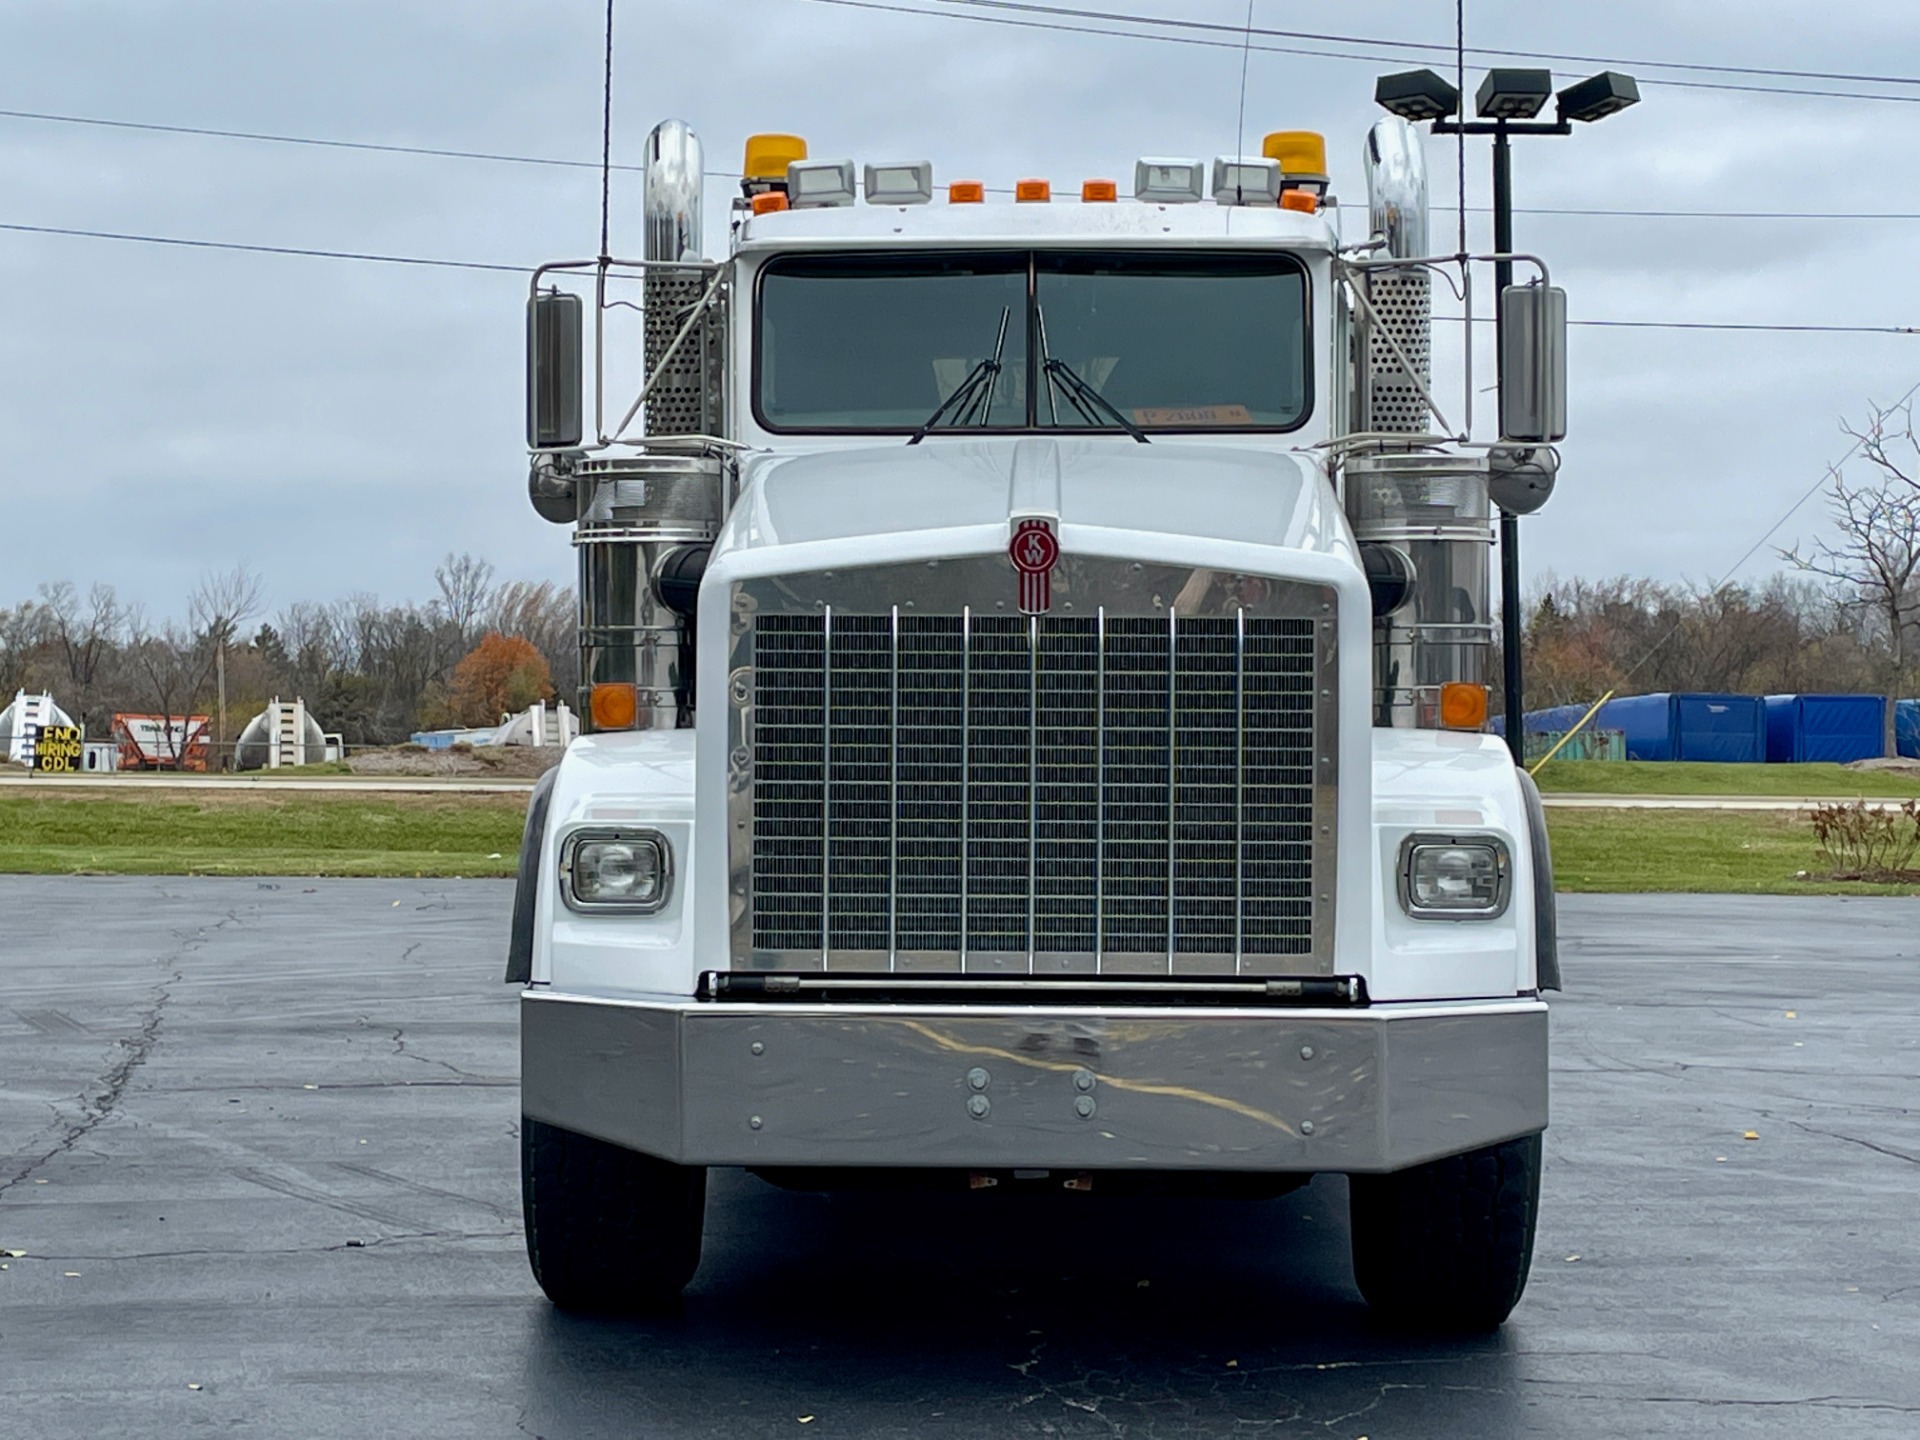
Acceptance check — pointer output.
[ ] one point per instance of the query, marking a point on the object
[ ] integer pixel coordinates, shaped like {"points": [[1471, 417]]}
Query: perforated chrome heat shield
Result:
{"points": [[1140, 781]]}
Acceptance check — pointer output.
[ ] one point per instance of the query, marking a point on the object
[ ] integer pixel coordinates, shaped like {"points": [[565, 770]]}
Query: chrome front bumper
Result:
{"points": [[994, 1088]]}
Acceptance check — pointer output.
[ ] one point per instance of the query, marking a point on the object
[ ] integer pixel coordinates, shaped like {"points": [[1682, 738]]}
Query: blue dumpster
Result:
{"points": [[1838, 728]]}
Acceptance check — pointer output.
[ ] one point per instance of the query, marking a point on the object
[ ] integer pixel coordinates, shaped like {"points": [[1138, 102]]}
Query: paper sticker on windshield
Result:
{"points": [[1195, 415]]}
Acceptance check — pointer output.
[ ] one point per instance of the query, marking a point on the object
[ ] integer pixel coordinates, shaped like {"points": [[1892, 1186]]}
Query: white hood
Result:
{"points": [[1201, 492]]}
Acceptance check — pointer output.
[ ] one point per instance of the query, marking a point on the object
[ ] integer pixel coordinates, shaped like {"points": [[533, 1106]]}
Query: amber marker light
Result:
{"points": [[768, 203], [1032, 192], [1096, 192], [966, 192], [1463, 706], [1300, 200], [612, 707]]}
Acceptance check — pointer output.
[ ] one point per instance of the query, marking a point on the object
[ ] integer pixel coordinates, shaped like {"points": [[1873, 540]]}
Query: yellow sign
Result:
{"points": [[1195, 415], [56, 750]]}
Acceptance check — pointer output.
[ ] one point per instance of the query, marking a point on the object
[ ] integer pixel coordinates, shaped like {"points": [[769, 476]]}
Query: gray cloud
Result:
{"points": [[340, 425]]}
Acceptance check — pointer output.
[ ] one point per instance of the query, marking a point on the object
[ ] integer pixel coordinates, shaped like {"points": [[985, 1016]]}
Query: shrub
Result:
{"points": [[1863, 840]]}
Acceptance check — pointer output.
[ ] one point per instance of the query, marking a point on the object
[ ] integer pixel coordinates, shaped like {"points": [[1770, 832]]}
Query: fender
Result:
{"points": [[526, 885], [1546, 929]]}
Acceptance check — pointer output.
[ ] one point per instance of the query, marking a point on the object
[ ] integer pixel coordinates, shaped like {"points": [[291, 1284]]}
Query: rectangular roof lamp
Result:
{"points": [[1246, 180], [1163, 181], [816, 184], [905, 183]]}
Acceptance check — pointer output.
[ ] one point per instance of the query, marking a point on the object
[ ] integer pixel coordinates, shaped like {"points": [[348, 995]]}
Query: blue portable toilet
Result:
{"points": [[1837, 728], [1684, 726], [1906, 728]]}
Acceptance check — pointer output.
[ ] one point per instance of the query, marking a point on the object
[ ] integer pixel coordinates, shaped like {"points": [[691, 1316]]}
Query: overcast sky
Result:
{"points": [[340, 425]]}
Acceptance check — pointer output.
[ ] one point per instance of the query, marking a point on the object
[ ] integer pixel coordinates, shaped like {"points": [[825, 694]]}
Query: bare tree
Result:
{"points": [[220, 605], [466, 584], [1877, 552], [84, 636], [170, 668], [23, 634]]}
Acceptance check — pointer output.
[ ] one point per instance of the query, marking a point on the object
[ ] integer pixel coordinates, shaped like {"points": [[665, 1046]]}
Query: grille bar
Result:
{"points": [[1058, 794]]}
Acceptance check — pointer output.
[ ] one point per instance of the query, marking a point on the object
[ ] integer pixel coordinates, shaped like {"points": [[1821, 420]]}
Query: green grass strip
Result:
{"points": [[1633, 777], [1692, 851], [227, 832]]}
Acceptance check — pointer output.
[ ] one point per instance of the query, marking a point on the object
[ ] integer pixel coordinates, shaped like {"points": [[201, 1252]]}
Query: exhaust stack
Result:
{"points": [[1432, 507], [647, 521]]}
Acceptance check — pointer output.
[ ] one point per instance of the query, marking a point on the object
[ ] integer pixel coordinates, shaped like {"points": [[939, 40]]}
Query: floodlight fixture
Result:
{"points": [[1416, 95], [1513, 94], [1598, 96]]}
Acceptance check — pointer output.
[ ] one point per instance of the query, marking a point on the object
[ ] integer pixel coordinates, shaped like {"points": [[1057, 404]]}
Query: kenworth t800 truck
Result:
{"points": [[1034, 649]]}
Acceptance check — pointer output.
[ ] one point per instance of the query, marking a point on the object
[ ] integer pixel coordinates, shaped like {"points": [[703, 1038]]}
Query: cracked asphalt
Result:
{"points": [[258, 1144]]}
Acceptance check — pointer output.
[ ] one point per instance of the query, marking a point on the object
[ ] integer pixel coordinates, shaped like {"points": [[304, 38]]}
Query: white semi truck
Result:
{"points": [[1034, 652]]}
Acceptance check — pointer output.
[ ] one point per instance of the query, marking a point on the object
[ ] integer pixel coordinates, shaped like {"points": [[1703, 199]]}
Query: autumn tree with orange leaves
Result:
{"points": [[499, 676]]}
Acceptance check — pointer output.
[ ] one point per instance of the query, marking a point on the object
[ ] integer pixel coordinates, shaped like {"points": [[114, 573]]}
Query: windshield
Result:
{"points": [[1170, 342]]}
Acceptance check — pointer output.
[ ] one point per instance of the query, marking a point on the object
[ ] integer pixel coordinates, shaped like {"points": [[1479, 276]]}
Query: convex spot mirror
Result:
{"points": [[1533, 363]]}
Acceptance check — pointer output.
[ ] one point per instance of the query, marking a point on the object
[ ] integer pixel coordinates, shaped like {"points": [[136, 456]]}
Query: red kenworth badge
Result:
{"points": [[1034, 550]]}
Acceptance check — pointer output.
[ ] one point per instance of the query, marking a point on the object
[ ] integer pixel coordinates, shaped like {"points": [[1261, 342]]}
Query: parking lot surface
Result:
{"points": [[258, 1146]]}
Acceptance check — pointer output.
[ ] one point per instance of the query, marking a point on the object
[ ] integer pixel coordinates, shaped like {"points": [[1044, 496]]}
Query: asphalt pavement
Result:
{"points": [[258, 1144]]}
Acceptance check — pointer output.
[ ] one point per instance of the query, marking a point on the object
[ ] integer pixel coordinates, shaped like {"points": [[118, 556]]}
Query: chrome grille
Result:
{"points": [[1116, 793]]}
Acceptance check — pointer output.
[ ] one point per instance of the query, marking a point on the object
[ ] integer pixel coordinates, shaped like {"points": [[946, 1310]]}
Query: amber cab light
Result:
{"points": [[1301, 200], [1032, 192], [612, 707], [966, 192], [768, 203], [1463, 706], [1099, 192]]}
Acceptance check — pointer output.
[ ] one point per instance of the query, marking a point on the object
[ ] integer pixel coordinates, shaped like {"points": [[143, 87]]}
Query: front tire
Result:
{"points": [[1447, 1245], [608, 1229]]}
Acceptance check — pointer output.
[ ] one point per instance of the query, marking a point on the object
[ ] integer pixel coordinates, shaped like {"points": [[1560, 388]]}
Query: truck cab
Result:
{"points": [[1034, 651]]}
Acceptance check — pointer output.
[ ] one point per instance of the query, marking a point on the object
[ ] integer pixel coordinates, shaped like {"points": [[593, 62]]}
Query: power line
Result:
{"points": [[1423, 46], [303, 251], [1222, 44], [433, 152], [436, 262]]}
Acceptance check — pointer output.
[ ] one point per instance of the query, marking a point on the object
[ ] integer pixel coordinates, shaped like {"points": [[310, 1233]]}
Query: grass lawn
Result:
{"points": [[1631, 777], [122, 830], [1700, 851]]}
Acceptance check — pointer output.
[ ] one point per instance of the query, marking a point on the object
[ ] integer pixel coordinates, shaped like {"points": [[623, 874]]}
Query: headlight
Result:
{"points": [[1454, 877], [629, 871]]}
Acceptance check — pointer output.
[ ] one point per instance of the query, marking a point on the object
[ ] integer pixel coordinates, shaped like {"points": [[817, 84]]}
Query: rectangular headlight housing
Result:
{"points": [[619, 870], [1455, 877]]}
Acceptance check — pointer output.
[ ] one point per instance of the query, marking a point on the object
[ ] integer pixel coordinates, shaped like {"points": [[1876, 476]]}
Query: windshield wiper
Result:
{"points": [[1082, 396], [976, 391]]}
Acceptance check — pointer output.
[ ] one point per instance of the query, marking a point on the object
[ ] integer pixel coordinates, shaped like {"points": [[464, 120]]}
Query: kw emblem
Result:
{"points": [[1034, 551]]}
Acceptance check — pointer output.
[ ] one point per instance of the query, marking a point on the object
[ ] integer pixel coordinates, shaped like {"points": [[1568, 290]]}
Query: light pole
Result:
{"points": [[1506, 104]]}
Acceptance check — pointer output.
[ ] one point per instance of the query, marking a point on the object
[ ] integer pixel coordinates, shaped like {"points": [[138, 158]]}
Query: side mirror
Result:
{"points": [[553, 370], [1533, 363]]}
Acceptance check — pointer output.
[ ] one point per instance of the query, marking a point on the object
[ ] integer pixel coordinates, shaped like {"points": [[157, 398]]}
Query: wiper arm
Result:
{"points": [[1082, 396], [974, 392]]}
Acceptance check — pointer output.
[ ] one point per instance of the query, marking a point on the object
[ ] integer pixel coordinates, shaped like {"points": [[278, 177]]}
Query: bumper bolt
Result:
{"points": [[978, 1106], [978, 1079], [753, 1122], [1306, 1127], [1083, 1106], [1306, 1052], [1083, 1080], [758, 1048]]}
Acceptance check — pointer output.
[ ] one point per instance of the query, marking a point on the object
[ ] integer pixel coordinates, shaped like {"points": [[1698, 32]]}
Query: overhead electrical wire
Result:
{"points": [[438, 262], [1163, 24], [434, 152], [1426, 46]]}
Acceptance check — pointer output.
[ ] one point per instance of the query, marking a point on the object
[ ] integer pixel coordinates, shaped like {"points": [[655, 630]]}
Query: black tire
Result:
{"points": [[608, 1229], [1447, 1245]]}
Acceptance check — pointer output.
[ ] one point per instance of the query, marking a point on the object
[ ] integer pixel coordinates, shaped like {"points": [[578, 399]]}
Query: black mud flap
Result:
{"points": [[1546, 929], [526, 885]]}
